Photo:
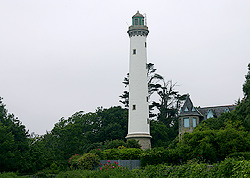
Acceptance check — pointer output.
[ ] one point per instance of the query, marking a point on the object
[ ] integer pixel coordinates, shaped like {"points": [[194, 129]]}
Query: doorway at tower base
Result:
{"points": [[144, 140]]}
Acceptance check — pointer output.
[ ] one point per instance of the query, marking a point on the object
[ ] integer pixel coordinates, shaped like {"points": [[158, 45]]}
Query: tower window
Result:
{"points": [[194, 122], [145, 44], [186, 122], [134, 51], [134, 107], [136, 21], [147, 98]]}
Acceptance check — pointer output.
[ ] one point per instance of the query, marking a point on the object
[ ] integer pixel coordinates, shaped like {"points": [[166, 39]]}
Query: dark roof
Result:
{"points": [[188, 108], [216, 110], [138, 14]]}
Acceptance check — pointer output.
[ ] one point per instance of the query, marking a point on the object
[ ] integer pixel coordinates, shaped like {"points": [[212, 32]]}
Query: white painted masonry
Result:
{"points": [[138, 121], [138, 89]]}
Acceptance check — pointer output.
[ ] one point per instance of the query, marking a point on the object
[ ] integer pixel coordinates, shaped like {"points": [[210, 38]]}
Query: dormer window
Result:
{"points": [[186, 109], [226, 110], [193, 109], [209, 114]]}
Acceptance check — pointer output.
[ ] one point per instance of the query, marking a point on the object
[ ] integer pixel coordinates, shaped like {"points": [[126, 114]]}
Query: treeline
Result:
{"points": [[211, 141], [80, 133]]}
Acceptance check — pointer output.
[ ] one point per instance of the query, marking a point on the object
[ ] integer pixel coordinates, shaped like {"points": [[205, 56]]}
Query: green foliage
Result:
{"points": [[108, 166], [227, 168], [14, 145], [87, 161], [240, 155], [214, 145], [246, 86], [162, 135], [11, 175], [159, 156], [132, 143], [110, 144], [122, 154]]}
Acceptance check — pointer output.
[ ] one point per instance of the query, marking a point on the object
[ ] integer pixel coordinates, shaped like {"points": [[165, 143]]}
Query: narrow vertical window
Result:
{"points": [[145, 44], [134, 51], [147, 98], [194, 122], [136, 21], [142, 21], [134, 107], [186, 122]]}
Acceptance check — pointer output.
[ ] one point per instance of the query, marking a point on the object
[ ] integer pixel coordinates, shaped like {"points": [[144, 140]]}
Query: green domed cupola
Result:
{"points": [[138, 26]]}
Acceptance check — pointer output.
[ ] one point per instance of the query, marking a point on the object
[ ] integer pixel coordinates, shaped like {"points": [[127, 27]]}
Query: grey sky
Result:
{"points": [[62, 56]]}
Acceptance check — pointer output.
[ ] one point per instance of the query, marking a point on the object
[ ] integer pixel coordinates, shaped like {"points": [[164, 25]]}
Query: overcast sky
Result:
{"points": [[58, 57]]}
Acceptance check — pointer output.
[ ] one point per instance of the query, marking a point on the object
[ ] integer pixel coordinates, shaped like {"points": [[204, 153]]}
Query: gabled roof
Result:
{"points": [[188, 108]]}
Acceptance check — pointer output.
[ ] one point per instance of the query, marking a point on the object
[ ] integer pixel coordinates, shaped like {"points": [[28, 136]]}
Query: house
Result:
{"points": [[191, 116]]}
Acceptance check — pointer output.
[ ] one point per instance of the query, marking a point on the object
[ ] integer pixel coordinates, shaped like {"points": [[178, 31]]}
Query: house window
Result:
{"points": [[186, 122], [142, 21], [134, 51], [134, 107], [194, 122]]}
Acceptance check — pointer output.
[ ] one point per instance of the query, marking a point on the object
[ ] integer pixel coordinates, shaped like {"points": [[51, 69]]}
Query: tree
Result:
{"points": [[214, 145], [246, 85], [153, 79], [14, 145], [169, 103]]}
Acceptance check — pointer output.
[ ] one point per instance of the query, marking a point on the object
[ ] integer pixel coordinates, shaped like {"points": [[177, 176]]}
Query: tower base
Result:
{"points": [[144, 140]]}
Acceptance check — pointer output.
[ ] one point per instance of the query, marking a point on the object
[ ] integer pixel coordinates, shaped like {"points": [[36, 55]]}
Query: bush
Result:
{"points": [[122, 154], [10, 175], [114, 144], [132, 143], [227, 168], [245, 155], [160, 156], [87, 161]]}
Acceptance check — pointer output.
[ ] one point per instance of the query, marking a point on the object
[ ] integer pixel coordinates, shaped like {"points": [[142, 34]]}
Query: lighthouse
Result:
{"points": [[138, 121]]}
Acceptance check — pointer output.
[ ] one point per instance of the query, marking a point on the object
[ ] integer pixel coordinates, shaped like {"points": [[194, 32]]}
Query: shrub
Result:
{"points": [[159, 156], [87, 161], [122, 154], [132, 143], [245, 155], [114, 144], [73, 160], [10, 175], [109, 166]]}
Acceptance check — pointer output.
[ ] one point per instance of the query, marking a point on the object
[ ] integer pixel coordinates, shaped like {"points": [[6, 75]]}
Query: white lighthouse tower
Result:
{"points": [[138, 121]]}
